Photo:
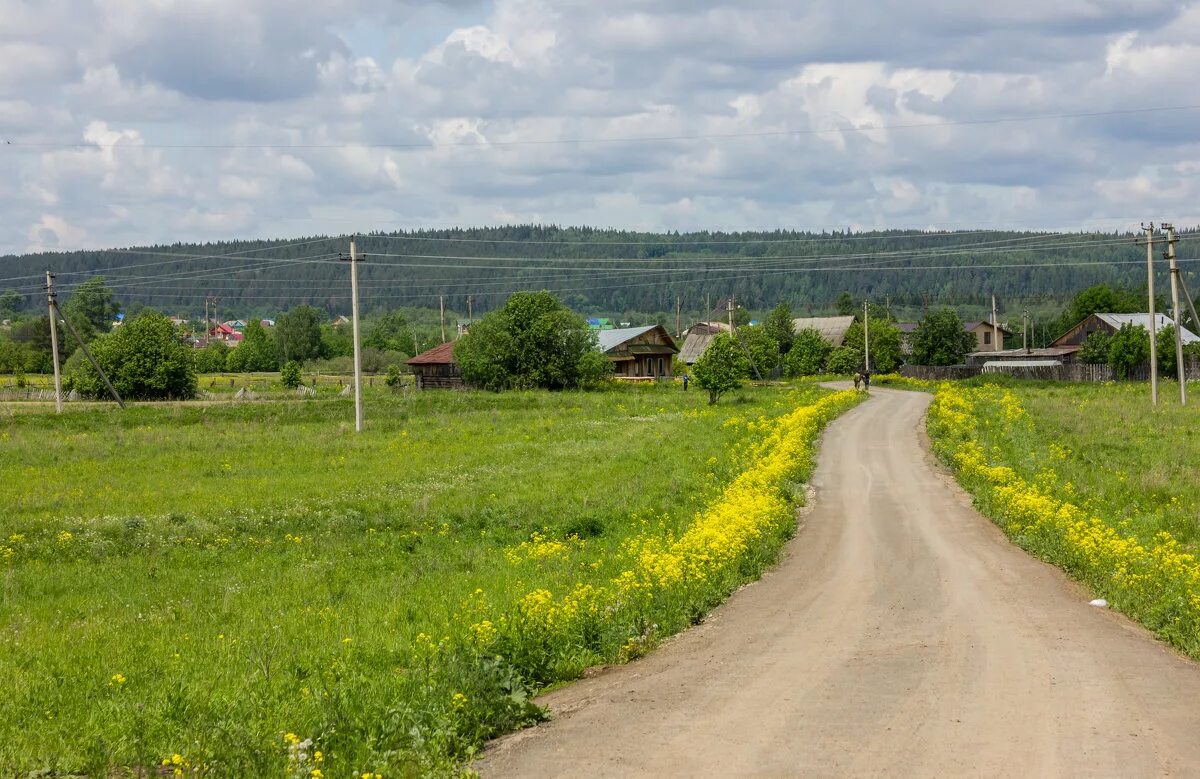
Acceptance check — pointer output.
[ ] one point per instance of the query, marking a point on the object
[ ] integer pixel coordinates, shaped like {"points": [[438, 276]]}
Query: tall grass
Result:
{"points": [[242, 587]]}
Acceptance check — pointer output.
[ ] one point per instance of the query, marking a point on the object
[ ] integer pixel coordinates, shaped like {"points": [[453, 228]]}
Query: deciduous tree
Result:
{"points": [[533, 341], [940, 339], [144, 359], [721, 368]]}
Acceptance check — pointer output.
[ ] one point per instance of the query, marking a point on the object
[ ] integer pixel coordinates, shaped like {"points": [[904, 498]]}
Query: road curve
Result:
{"points": [[901, 635]]}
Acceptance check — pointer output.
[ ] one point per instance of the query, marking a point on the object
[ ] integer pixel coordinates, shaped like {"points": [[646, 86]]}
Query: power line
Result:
{"points": [[485, 144]]}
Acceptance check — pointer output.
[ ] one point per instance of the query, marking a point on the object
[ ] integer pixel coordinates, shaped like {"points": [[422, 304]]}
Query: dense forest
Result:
{"points": [[610, 272]]}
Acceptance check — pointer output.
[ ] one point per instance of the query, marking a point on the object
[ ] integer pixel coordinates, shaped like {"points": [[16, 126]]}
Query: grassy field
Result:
{"points": [[1089, 477], [253, 589]]}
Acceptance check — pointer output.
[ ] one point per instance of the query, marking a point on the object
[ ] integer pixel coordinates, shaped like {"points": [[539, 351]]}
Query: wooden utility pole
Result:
{"points": [[677, 323], [470, 311], [1149, 228], [1025, 331], [866, 336], [995, 327], [1179, 366], [51, 305], [354, 259], [729, 308], [442, 315]]}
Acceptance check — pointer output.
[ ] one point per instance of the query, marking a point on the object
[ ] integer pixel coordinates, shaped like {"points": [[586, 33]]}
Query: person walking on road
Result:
{"points": [[866, 381], [857, 380]]}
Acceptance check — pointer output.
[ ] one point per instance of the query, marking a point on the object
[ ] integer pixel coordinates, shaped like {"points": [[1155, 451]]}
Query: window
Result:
{"points": [[987, 337], [661, 372]]}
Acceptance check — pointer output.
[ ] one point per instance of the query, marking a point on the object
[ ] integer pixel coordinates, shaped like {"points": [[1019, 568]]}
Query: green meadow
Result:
{"points": [[253, 589]]}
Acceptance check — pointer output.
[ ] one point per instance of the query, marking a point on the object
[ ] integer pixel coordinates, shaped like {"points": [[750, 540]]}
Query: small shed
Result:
{"points": [[436, 368], [832, 328], [639, 352]]}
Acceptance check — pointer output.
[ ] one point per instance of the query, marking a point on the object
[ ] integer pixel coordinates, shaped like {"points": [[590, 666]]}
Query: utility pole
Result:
{"points": [[52, 304], [995, 327], [677, 328], [1179, 366], [206, 328], [1025, 331], [442, 315], [470, 311], [866, 336], [729, 307], [1149, 228], [354, 260]]}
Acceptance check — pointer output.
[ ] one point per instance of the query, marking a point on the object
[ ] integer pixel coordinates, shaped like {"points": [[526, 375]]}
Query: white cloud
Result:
{"points": [[288, 120]]}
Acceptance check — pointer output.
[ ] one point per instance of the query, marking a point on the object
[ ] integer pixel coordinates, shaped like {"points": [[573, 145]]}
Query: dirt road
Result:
{"points": [[901, 636]]}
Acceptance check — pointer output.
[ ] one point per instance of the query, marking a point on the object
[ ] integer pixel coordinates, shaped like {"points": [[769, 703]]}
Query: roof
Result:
{"points": [[694, 346], [1115, 321], [438, 355], [831, 328], [973, 325], [1020, 364], [907, 327], [611, 339], [1026, 355]]}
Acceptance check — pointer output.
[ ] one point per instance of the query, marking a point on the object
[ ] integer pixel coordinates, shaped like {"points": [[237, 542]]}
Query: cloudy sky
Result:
{"points": [[135, 121]]}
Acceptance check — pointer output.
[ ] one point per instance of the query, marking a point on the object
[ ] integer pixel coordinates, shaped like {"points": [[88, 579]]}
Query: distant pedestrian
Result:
{"points": [[857, 380], [685, 382], [867, 381]]}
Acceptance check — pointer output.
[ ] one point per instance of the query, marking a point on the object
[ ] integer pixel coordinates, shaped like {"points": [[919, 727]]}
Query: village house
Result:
{"points": [[987, 337], [1111, 323], [639, 352], [437, 368]]}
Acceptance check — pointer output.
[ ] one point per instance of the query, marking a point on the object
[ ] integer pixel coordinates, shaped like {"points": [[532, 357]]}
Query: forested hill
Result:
{"points": [[608, 271]]}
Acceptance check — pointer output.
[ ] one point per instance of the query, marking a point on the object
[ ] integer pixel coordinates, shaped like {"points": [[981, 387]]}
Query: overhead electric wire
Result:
{"points": [[486, 144]]}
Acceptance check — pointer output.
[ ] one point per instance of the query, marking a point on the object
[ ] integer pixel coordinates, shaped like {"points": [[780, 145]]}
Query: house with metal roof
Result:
{"points": [[832, 328], [638, 352], [1111, 323]]}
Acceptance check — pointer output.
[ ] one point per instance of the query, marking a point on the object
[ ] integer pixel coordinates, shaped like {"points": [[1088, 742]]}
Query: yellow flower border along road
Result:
{"points": [[1156, 583], [662, 584], [901, 635]]}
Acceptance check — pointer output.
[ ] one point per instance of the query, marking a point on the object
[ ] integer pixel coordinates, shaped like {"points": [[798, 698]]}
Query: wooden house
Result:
{"points": [[639, 352], [437, 368], [1111, 323]]}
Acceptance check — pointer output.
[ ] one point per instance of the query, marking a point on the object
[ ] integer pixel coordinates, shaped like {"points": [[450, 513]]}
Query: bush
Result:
{"points": [[722, 367], [1129, 348], [211, 359], [394, 377], [144, 359], [808, 354], [762, 349], [255, 353], [290, 375], [1095, 348], [844, 359]]}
